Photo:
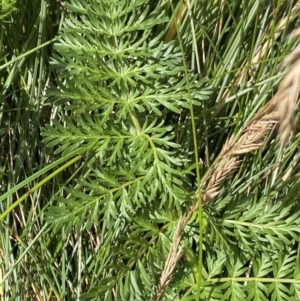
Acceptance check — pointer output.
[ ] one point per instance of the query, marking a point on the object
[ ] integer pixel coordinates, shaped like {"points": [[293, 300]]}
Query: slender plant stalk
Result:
{"points": [[280, 110]]}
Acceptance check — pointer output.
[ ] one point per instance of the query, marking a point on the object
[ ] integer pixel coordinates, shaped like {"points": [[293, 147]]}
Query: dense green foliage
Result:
{"points": [[103, 133], [121, 96]]}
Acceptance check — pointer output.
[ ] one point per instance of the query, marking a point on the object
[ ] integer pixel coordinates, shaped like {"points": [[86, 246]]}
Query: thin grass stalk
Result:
{"points": [[280, 111]]}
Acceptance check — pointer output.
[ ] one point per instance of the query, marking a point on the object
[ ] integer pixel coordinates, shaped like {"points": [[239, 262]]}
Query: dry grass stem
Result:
{"points": [[174, 254], [280, 28], [263, 49], [251, 139], [279, 110], [288, 94], [218, 175], [170, 264]]}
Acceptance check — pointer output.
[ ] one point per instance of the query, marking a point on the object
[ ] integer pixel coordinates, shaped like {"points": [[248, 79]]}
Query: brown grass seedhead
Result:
{"points": [[288, 95], [280, 110]]}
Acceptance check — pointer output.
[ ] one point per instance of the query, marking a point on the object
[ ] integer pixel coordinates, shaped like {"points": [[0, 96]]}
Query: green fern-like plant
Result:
{"points": [[128, 114], [126, 98], [121, 88]]}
